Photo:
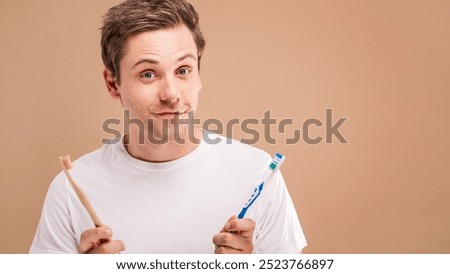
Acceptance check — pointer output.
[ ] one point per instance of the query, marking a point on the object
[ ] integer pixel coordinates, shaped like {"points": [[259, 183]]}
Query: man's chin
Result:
{"points": [[169, 132]]}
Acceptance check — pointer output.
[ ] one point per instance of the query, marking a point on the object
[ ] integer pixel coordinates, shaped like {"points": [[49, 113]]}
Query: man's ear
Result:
{"points": [[111, 84]]}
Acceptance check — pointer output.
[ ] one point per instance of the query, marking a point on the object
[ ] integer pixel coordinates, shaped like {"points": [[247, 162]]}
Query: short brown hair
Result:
{"points": [[136, 16]]}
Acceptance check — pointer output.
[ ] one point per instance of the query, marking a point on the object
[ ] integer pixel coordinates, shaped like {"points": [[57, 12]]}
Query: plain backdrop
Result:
{"points": [[383, 64]]}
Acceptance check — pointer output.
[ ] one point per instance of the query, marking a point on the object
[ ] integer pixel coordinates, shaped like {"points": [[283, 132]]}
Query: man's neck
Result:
{"points": [[165, 152]]}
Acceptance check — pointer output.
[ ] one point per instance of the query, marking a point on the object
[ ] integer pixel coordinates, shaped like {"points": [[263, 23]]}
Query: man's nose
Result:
{"points": [[169, 92]]}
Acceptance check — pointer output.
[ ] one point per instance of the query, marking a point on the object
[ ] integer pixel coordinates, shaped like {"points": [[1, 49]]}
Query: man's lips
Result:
{"points": [[169, 114]]}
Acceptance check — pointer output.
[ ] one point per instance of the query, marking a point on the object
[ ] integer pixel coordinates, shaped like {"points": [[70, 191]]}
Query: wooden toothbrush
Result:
{"points": [[66, 165]]}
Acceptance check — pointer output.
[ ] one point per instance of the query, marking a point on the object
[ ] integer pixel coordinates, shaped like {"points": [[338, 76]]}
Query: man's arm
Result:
{"points": [[277, 224], [55, 232]]}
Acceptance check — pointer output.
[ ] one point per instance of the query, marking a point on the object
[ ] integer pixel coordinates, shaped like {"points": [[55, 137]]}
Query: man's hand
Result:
{"points": [[99, 240], [236, 237]]}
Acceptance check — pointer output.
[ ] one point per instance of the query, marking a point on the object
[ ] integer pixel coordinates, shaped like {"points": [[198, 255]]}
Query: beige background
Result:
{"points": [[383, 64]]}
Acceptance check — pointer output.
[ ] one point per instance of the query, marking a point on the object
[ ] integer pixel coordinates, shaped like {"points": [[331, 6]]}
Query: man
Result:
{"points": [[162, 188]]}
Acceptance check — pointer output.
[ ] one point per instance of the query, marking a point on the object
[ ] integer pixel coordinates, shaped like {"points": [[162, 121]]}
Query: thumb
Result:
{"points": [[244, 227], [227, 225]]}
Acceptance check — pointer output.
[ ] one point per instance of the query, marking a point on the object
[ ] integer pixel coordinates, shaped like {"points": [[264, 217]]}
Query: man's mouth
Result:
{"points": [[169, 114]]}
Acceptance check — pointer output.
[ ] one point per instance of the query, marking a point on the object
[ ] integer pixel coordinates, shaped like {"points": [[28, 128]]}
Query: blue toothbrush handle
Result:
{"points": [[242, 213], [250, 201]]}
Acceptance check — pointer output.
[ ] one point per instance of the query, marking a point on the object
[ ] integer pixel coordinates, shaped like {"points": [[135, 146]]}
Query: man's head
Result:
{"points": [[136, 16], [152, 50]]}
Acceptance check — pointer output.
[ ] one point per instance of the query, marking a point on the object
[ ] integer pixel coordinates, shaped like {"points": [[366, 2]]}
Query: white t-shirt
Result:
{"points": [[171, 207]]}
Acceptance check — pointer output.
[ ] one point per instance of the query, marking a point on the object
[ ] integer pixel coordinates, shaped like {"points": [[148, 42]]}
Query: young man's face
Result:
{"points": [[159, 78]]}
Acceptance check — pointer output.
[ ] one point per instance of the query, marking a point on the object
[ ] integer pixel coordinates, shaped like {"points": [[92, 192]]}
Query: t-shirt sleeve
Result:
{"points": [[278, 228], [54, 233]]}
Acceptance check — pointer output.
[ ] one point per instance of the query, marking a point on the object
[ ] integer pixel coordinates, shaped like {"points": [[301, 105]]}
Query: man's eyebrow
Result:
{"points": [[145, 60], [154, 62], [187, 55]]}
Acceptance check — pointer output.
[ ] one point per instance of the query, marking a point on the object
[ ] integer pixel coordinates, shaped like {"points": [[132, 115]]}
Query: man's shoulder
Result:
{"points": [[96, 156]]}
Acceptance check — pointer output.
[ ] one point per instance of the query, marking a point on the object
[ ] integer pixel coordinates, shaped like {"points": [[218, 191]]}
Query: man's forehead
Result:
{"points": [[169, 43]]}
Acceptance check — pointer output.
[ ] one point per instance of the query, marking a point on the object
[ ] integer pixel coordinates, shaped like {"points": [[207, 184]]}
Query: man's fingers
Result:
{"points": [[227, 239], [98, 240], [243, 227], [226, 242], [235, 237], [226, 250], [110, 247], [94, 237]]}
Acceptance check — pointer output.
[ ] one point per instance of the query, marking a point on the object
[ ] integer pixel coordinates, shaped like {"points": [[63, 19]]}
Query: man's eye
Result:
{"points": [[184, 71], [148, 75]]}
